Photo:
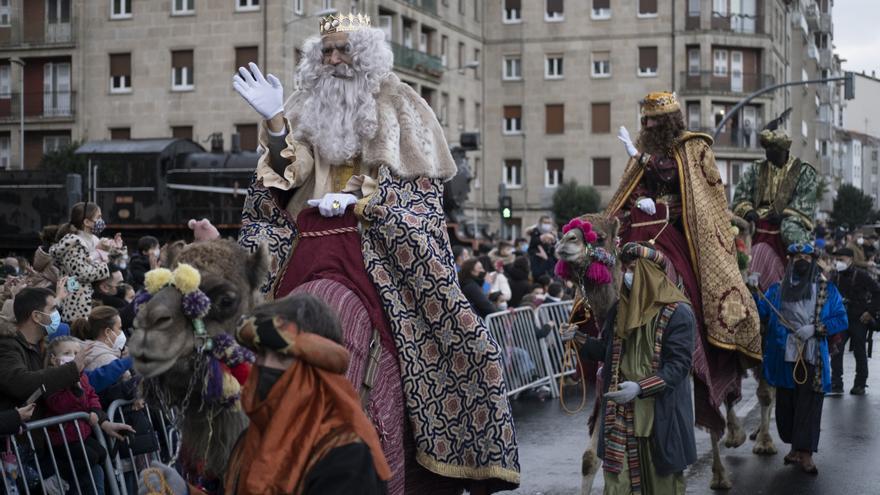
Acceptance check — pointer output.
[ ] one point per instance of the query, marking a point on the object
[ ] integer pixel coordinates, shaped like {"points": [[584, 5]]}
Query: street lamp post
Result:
{"points": [[19, 62]]}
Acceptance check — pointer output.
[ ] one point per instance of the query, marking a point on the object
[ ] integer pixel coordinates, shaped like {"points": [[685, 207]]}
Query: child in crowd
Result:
{"points": [[128, 292]]}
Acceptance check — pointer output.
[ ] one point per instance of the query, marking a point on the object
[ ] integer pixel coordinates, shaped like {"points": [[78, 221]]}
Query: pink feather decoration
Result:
{"points": [[561, 270], [598, 274]]}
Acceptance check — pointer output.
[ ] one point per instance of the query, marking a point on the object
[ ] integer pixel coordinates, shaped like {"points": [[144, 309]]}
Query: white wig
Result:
{"points": [[335, 114]]}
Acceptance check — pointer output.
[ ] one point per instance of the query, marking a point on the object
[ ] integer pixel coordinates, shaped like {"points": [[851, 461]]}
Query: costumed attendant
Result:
{"points": [[647, 432], [366, 153], [300, 373], [778, 195], [801, 312]]}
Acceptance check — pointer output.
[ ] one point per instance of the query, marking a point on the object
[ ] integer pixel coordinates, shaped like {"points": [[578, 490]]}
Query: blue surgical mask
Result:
{"points": [[54, 322], [628, 279]]}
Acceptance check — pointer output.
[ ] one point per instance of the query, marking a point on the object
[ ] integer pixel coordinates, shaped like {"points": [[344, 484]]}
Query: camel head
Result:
{"points": [[587, 255], [164, 339]]}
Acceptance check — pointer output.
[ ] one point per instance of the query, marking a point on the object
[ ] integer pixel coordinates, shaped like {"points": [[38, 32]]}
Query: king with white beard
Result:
{"points": [[368, 152]]}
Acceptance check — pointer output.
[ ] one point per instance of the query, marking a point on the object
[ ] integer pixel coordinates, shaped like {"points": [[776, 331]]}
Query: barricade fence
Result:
{"points": [[531, 362]]}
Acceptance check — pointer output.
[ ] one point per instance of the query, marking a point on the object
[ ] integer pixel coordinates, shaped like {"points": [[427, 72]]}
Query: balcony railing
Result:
{"points": [[709, 81], [812, 16], [735, 136], [408, 58], [826, 58], [56, 105], [738, 23], [429, 6], [50, 34], [825, 24]]}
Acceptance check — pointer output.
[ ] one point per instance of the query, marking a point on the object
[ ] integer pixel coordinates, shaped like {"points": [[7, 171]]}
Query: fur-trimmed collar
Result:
{"points": [[409, 141]]}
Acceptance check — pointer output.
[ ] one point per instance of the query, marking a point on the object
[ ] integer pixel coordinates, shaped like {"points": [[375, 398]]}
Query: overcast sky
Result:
{"points": [[856, 34]]}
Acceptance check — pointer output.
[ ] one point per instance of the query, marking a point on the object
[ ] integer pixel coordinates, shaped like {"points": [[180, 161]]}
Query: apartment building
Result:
{"points": [[162, 68], [562, 76]]}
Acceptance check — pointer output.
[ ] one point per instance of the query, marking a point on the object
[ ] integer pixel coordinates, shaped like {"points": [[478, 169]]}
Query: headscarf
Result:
{"points": [[311, 409], [651, 290], [793, 288]]}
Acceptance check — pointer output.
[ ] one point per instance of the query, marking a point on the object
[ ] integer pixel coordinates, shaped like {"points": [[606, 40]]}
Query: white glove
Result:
{"points": [[333, 204], [805, 332], [265, 96], [152, 483], [754, 279], [647, 205], [626, 392], [623, 135]]}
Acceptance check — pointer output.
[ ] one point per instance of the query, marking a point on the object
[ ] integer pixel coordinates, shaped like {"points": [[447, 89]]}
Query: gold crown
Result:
{"points": [[344, 23], [659, 103]]}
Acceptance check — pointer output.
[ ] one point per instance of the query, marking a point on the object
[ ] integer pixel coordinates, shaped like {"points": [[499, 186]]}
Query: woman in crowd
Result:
{"points": [[75, 252], [103, 326], [471, 278], [518, 277]]}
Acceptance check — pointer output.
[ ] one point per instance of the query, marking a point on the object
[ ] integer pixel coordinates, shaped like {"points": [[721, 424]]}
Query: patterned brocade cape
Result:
{"points": [[731, 318]]}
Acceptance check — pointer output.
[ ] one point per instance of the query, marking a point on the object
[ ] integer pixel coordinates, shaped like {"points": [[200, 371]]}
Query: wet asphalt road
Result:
{"points": [[551, 443]]}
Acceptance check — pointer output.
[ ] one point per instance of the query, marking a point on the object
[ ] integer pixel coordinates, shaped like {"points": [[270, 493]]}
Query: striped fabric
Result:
{"points": [[766, 261]]}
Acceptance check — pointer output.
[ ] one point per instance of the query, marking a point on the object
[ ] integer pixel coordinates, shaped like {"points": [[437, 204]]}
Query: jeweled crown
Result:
{"points": [[659, 103], [344, 23]]}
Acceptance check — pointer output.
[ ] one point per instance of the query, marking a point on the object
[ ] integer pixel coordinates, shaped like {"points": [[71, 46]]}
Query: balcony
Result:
{"points": [[414, 60], [826, 58], [738, 23], [824, 94], [734, 136], [824, 130], [49, 35], [726, 84], [429, 6], [58, 106], [825, 24], [812, 16]]}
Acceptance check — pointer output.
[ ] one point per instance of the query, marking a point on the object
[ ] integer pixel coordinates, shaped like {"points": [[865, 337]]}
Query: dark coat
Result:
{"points": [[539, 265], [518, 278], [860, 292], [10, 422], [23, 373], [475, 295], [673, 446]]}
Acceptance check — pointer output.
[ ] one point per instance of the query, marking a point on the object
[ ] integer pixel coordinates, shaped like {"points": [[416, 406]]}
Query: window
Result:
{"points": [[601, 171], [477, 59], [601, 64], [647, 60], [553, 11], [719, 8], [478, 115], [423, 42], [693, 8], [461, 62], [183, 7], [513, 173], [182, 70], [247, 5], [245, 54], [462, 115], [477, 10], [120, 72], [601, 118], [461, 6], [804, 129], [553, 67], [247, 136], [512, 68], [182, 132], [477, 169], [54, 143], [120, 9], [553, 172], [5, 17], [693, 114], [601, 9], [5, 152], [298, 8], [694, 61], [647, 8], [444, 109], [444, 45], [120, 133], [511, 13], [407, 36], [512, 119], [554, 119], [719, 63], [328, 4], [5, 81]]}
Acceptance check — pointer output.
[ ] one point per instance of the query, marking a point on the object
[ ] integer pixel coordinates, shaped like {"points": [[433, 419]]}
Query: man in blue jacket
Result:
{"points": [[801, 312]]}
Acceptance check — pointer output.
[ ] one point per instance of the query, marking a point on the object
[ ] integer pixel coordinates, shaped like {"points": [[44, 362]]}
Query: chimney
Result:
{"points": [[236, 143]]}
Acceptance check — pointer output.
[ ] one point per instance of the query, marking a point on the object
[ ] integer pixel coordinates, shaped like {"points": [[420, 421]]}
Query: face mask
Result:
{"points": [[266, 379], [860, 241], [524, 247], [99, 226], [119, 343], [122, 265], [546, 228], [628, 279], [801, 267], [502, 306], [65, 358], [480, 277], [840, 266], [54, 322]]}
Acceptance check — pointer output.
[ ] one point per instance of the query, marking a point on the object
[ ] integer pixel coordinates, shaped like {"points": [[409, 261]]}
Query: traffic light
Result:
{"points": [[505, 206], [849, 86]]}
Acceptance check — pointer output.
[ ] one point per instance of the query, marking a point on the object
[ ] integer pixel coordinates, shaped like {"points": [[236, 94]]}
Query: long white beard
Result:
{"points": [[338, 114]]}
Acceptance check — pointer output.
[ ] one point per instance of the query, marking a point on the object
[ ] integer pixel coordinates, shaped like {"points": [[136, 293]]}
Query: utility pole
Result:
{"points": [[19, 62]]}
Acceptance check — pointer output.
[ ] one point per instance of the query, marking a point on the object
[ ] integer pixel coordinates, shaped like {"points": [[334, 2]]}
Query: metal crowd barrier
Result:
{"points": [[127, 468], [44, 461], [526, 361], [558, 314]]}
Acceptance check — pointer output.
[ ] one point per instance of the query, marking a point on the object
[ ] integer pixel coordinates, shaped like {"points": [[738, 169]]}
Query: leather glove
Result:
{"points": [[626, 392], [805, 332], [623, 135], [333, 204], [264, 94], [751, 216], [647, 205], [152, 483]]}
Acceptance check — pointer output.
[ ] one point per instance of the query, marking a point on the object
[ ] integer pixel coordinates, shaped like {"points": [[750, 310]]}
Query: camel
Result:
{"points": [[164, 345]]}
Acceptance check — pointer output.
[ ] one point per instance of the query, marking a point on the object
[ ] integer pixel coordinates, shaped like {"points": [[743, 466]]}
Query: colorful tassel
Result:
{"points": [[598, 274]]}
